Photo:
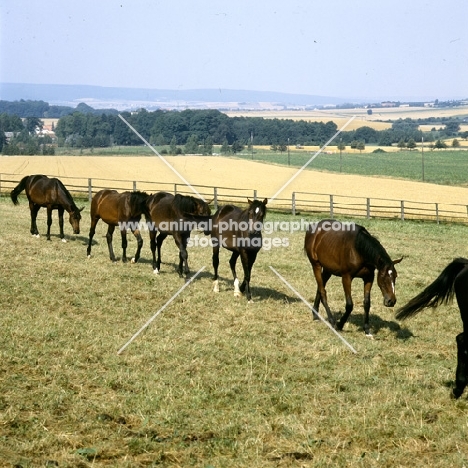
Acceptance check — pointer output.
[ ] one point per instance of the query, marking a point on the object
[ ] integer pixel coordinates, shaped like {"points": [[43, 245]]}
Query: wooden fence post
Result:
{"points": [[293, 203], [90, 190], [134, 186], [255, 194], [175, 189], [215, 197], [437, 212], [368, 208], [402, 210], [331, 206]]}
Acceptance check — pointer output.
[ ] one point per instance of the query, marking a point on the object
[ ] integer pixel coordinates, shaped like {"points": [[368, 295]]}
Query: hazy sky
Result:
{"points": [[352, 49]]}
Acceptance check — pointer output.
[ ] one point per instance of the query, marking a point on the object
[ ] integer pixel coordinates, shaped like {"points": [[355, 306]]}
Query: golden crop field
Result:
{"points": [[219, 171]]}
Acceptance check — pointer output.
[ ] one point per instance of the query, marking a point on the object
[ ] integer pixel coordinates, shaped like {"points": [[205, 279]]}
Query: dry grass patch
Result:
{"points": [[216, 381]]}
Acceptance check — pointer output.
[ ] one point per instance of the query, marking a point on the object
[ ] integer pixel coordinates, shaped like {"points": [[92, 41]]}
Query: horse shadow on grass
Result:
{"points": [[259, 293], [377, 324]]}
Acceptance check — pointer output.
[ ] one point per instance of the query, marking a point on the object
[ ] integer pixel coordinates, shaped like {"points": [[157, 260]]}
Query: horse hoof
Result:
{"points": [[64, 241], [370, 335], [216, 286], [250, 301], [133, 260], [156, 271], [89, 256], [237, 294]]}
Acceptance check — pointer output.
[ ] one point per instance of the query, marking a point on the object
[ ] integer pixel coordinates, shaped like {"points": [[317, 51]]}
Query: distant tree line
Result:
{"points": [[199, 126], [27, 108], [168, 127], [198, 130]]}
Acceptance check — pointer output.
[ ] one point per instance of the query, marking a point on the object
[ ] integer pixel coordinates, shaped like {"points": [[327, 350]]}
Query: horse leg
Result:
{"points": [[248, 259], [367, 303], [323, 293], [139, 239], [123, 234], [325, 277], [49, 221], [346, 281], [232, 264], [183, 254], [153, 233], [461, 374], [34, 210], [215, 261], [92, 231], [110, 232], [159, 242], [60, 217]]}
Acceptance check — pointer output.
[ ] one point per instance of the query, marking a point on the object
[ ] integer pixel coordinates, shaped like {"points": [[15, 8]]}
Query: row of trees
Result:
{"points": [[198, 130], [161, 127]]}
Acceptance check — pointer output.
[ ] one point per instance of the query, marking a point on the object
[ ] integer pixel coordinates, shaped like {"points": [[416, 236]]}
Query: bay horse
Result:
{"points": [[350, 251], [240, 232], [118, 209], [452, 281], [174, 215], [43, 191]]}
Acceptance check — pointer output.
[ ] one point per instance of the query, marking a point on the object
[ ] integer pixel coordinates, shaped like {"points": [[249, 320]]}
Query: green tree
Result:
{"points": [[282, 147], [361, 146], [191, 147], [208, 146], [439, 144], [455, 143], [237, 147], [225, 149], [173, 145], [401, 144], [411, 144], [33, 123]]}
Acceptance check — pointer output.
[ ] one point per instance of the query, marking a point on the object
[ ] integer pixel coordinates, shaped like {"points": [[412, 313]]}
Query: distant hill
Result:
{"points": [[126, 98]]}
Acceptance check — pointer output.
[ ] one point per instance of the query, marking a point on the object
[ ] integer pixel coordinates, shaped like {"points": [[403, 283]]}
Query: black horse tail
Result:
{"points": [[438, 292], [17, 190]]}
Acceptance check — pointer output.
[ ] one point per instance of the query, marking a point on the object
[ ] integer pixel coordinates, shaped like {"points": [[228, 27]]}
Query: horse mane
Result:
{"points": [[67, 194], [137, 201], [371, 249], [185, 203]]}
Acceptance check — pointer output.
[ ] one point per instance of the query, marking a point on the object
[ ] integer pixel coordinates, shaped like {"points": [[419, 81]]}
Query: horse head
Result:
{"points": [[386, 279], [75, 217], [256, 213]]}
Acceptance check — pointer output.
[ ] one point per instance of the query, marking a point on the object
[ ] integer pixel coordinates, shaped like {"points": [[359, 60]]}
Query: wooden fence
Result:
{"points": [[298, 203]]}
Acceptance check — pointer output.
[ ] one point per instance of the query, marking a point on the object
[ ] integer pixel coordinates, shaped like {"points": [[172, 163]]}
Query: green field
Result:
{"points": [[214, 381], [440, 167]]}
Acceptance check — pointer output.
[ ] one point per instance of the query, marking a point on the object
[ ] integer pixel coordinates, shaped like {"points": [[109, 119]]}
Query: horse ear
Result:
{"points": [[397, 261], [250, 201], [209, 202], [81, 209], [265, 201]]}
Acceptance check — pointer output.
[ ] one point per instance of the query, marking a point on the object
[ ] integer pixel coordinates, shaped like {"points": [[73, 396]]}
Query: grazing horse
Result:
{"points": [[118, 209], [239, 231], [174, 215], [349, 251], [452, 280], [51, 193]]}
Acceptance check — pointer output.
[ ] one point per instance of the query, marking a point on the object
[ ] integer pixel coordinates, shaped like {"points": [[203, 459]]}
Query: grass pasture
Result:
{"points": [[217, 382]]}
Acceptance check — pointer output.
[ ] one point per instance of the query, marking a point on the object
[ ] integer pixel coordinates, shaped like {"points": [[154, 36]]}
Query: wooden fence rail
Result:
{"points": [[299, 202]]}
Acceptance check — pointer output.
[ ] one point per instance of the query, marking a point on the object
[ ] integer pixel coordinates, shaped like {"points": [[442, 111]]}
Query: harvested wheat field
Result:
{"points": [[228, 172]]}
